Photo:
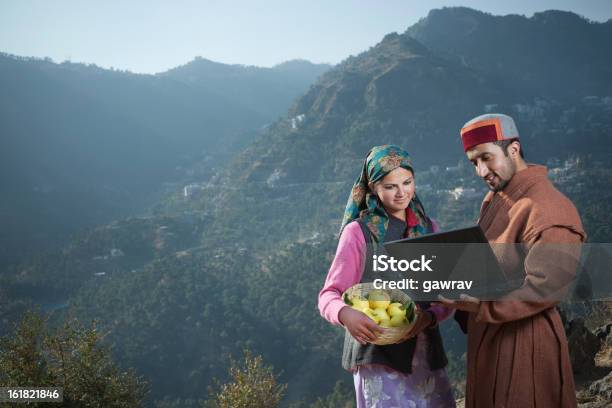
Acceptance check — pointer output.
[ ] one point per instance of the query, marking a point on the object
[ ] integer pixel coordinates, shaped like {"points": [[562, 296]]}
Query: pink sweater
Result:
{"points": [[346, 271]]}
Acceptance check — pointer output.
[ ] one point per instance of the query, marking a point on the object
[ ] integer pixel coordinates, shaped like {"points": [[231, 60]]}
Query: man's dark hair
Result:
{"points": [[505, 143]]}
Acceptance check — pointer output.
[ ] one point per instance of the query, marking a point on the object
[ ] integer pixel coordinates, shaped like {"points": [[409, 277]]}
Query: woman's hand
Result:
{"points": [[424, 319], [362, 328]]}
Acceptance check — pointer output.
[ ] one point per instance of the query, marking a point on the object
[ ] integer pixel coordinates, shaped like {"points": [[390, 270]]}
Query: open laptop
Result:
{"points": [[459, 261]]}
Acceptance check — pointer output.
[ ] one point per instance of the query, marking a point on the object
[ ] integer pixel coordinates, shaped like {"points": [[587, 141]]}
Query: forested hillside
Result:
{"points": [[82, 145]]}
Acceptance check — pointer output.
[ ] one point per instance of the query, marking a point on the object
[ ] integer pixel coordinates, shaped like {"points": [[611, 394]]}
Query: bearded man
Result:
{"points": [[517, 349]]}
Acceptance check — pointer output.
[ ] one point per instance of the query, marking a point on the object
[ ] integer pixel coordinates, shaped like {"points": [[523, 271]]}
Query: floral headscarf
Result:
{"points": [[364, 204]]}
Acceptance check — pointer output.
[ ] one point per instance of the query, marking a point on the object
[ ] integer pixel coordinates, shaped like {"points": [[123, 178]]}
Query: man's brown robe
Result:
{"points": [[517, 350]]}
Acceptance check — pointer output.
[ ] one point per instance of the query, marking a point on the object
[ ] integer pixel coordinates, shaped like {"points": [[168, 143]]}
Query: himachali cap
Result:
{"points": [[488, 128]]}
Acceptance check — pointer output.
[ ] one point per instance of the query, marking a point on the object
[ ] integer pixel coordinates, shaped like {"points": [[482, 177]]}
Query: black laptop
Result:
{"points": [[456, 262]]}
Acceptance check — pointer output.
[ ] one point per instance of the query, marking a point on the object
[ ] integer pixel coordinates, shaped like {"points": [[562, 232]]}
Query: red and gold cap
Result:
{"points": [[488, 128]]}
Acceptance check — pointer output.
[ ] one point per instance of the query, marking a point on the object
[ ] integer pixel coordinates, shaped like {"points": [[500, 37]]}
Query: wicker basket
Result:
{"points": [[390, 335]]}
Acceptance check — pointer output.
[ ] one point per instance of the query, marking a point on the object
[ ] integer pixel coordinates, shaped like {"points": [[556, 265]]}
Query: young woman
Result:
{"points": [[383, 207]]}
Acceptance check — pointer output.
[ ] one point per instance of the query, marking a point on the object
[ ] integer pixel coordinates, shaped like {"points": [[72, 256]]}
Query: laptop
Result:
{"points": [[449, 263]]}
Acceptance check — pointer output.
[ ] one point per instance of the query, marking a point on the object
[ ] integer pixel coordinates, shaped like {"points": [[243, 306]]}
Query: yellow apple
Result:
{"points": [[395, 309], [379, 299], [385, 323], [381, 313], [359, 303], [397, 321]]}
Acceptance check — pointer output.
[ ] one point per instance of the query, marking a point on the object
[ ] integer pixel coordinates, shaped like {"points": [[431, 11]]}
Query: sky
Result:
{"points": [[149, 36]]}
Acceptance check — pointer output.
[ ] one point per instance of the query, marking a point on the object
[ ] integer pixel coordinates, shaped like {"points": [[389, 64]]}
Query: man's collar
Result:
{"points": [[523, 180]]}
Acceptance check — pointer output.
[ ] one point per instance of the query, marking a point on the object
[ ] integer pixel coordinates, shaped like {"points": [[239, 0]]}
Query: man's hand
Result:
{"points": [[467, 303], [362, 328]]}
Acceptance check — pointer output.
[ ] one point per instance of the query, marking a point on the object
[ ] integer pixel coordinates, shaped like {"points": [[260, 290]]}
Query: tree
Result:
{"points": [[254, 385], [70, 358], [341, 397]]}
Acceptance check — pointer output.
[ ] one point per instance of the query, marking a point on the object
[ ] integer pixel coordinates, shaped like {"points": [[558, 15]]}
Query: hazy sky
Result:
{"points": [[153, 35]]}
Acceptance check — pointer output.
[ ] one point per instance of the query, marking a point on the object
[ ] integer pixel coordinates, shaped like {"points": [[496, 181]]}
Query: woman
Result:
{"points": [[383, 207]]}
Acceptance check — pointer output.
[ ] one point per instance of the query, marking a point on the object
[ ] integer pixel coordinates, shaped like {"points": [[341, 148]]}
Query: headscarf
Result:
{"points": [[364, 204]]}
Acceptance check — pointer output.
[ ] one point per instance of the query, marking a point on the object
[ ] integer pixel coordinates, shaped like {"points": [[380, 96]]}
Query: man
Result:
{"points": [[517, 350]]}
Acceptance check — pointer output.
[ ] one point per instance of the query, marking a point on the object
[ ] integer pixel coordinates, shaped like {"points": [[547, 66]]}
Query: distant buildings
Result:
{"points": [[314, 239], [274, 178], [565, 174], [453, 169], [296, 121], [466, 193], [194, 189], [605, 101], [115, 252]]}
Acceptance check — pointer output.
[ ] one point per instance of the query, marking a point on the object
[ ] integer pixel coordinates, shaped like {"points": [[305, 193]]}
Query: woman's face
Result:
{"points": [[395, 190]]}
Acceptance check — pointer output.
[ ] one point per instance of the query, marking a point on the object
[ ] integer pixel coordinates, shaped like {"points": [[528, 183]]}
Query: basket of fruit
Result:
{"points": [[391, 309]]}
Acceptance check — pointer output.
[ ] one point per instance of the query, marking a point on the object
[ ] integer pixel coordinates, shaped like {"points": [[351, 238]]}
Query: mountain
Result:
{"points": [[417, 88], [542, 54], [268, 91], [82, 145], [395, 91]]}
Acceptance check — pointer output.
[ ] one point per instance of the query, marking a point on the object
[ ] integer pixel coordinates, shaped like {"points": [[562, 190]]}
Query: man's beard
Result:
{"points": [[500, 186], [502, 182]]}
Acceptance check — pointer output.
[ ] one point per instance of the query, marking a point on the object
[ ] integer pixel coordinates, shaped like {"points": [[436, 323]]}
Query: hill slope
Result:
{"points": [[82, 145]]}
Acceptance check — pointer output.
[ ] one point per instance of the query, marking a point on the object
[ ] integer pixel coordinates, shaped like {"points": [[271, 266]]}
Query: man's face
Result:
{"points": [[492, 165]]}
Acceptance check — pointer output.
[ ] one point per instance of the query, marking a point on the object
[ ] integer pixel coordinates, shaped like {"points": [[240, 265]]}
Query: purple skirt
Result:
{"points": [[378, 386]]}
